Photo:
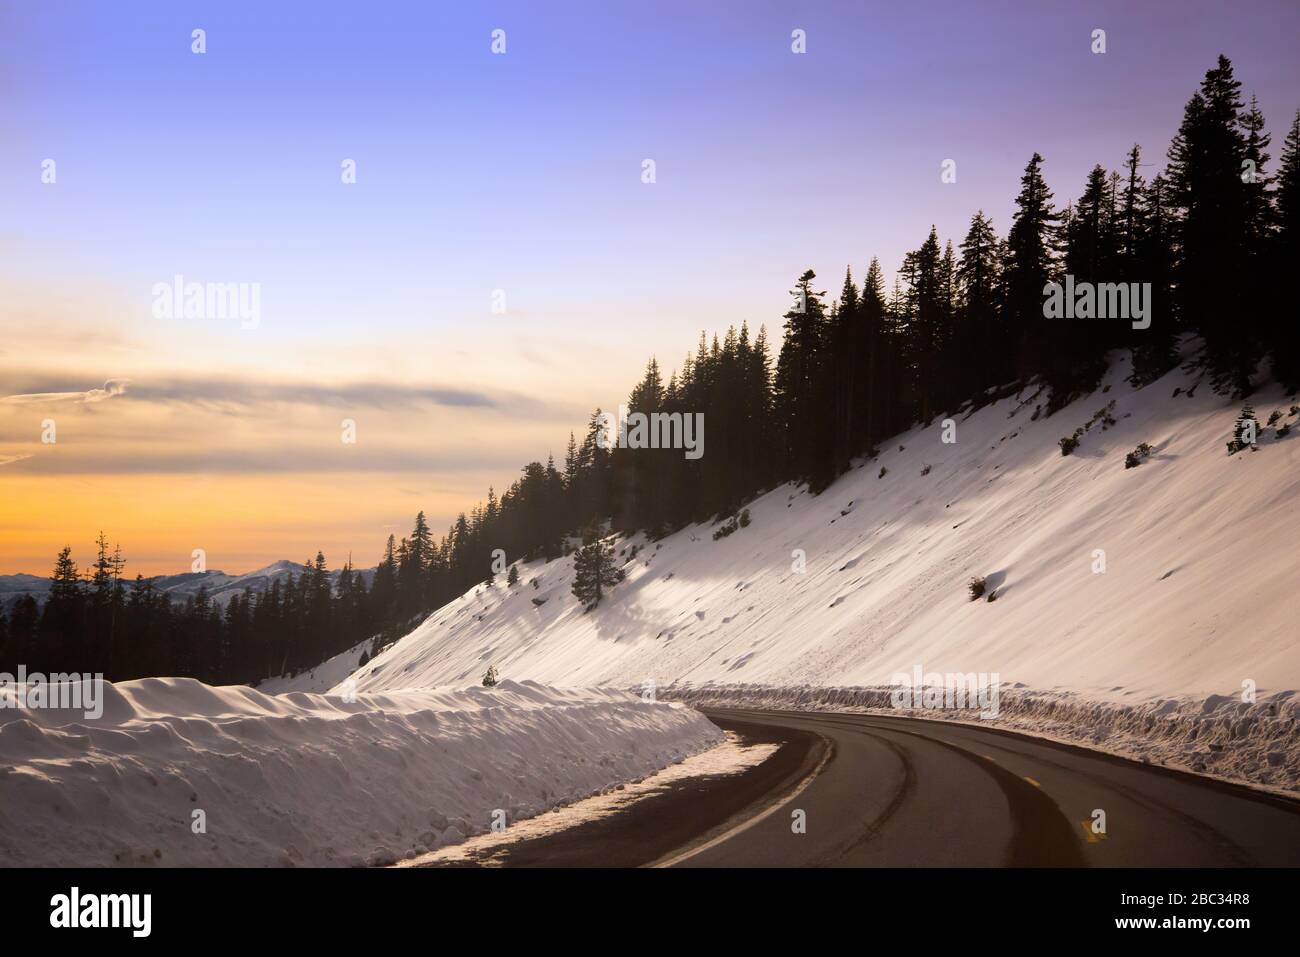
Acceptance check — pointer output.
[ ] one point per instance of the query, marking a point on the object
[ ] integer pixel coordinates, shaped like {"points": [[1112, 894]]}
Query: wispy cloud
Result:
{"points": [[280, 459], [235, 394], [111, 388]]}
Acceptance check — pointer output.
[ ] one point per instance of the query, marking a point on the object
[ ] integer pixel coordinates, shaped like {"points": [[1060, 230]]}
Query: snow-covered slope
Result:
{"points": [[1200, 593], [307, 779], [324, 676], [1201, 588]]}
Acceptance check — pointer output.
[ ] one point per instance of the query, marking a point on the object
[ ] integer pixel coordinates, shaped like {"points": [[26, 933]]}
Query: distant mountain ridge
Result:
{"points": [[180, 586]]}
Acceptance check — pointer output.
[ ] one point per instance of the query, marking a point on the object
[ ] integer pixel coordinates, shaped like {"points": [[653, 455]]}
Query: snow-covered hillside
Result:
{"points": [[324, 676], [176, 772], [1200, 592]]}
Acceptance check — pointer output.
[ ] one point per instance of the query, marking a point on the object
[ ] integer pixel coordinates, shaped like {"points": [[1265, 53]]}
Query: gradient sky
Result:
{"points": [[479, 172]]}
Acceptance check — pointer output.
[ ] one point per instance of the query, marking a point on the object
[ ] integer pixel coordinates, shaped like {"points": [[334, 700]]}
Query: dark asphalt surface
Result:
{"points": [[879, 791]]}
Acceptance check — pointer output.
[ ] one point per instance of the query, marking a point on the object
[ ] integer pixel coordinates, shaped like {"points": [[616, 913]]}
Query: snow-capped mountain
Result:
{"points": [[221, 586]]}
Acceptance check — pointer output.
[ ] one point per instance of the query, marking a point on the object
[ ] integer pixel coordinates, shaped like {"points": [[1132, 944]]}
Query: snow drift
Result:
{"points": [[304, 779], [1165, 591]]}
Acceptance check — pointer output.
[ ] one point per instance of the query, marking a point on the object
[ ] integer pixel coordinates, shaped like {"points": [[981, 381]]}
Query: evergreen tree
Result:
{"points": [[1031, 265], [594, 571], [1283, 334], [804, 387], [923, 324], [980, 358], [1206, 164]]}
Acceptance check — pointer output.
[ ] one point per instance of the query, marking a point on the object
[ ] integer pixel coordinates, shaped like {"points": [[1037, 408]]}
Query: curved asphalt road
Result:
{"points": [[880, 791]]}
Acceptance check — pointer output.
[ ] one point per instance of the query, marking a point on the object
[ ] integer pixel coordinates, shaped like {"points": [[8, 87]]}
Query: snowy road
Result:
{"points": [[881, 791]]}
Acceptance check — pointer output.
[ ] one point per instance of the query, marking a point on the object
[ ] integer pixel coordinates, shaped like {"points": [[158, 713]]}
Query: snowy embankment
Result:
{"points": [[178, 773], [1135, 608], [1227, 738]]}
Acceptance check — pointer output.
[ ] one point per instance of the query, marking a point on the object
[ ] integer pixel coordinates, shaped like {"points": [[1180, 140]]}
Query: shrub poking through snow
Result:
{"points": [[726, 528], [925, 470], [1102, 415], [732, 524], [490, 677], [593, 572], [512, 577], [1137, 456], [883, 470], [1245, 432], [977, 586]]}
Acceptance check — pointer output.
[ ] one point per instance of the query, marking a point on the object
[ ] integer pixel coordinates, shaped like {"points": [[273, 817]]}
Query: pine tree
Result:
{"points": [[876, 390], [981, 355], [1031, 265], [804, 387], [847, 334], [1283, 331], [594, 571], [1206, 164], [923, 325]]}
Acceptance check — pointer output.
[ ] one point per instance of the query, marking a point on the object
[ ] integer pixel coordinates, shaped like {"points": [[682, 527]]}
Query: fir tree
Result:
{"points": [[594, 571]]}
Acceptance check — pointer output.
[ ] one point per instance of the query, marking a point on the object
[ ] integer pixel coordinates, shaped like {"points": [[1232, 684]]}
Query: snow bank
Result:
{"points": [[304, 779], [1256, 744]]}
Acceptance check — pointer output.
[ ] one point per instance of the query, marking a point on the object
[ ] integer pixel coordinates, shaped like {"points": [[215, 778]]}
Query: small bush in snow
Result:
{"points": [[1070, 443], [925, 470], [1283, 431], [1137, 456], [977, 586], [731, 525], [883, 470], [512, 577], [744, 518], [490, 677], [1274, 416], [1246, 431]]}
